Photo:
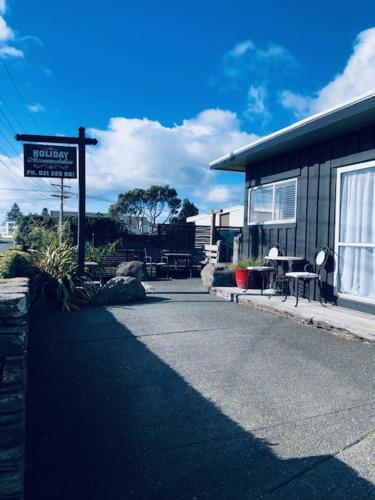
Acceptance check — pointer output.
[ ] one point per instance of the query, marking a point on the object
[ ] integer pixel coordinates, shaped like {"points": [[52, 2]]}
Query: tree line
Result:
{"points": [[144, 207], [157, 204]]}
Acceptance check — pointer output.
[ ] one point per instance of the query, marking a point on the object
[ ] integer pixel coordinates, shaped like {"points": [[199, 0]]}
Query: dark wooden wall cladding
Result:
{"points": [[315, 168]]}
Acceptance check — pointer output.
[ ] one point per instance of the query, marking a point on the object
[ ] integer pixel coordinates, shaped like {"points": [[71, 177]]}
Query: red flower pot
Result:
{"points": [[242, 276]]}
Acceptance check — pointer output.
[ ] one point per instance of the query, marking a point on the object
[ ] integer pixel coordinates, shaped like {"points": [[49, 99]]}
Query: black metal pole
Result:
{"points": [[82, 200], [82, 141]]}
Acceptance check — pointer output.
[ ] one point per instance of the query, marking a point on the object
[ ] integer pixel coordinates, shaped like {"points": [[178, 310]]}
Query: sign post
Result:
{"points": [[61, 162]]}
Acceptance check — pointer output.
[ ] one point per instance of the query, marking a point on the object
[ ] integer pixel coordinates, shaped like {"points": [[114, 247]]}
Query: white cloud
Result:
{"points": [[297, 103], [7, 52], [36, 108], [358, 77], [241, 48], [7, 35], [220, 194], [256, 70], [15, 188], [256, 103], [247, 61], [137, 152]]}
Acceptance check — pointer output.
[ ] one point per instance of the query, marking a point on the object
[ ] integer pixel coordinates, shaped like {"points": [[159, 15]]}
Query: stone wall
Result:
{"points": [[13, 343]]}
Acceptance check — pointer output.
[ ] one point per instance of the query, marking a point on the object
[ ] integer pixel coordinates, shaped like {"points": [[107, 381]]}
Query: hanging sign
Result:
{"points": [[50, 161]]}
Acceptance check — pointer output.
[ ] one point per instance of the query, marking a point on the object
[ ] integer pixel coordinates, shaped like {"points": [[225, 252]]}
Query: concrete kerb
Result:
{"points": [[347, 323]]}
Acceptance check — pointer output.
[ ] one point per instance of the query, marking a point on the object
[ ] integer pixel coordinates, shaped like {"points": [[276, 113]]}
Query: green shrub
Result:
{"points": [[53, 276], [241, 264], [252, 262], [99, 254], [15, 264], [57, 284]]}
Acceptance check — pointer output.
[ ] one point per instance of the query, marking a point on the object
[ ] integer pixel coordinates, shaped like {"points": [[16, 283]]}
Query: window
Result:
{"points": [[273, 203], [355, 232]]}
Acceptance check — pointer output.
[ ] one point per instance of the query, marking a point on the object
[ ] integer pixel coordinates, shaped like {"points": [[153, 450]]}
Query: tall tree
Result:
{"points": [[45, 213], [131, 204], [157, 203], [14, 213], [162, 203], [188, 209]]}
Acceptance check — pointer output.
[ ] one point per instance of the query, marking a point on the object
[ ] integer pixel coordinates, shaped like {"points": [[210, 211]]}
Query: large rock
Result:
{"points": [[134, 268], [217, 275], [121, 290]]}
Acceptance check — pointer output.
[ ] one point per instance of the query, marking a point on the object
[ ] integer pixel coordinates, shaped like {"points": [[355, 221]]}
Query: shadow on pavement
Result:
{"points": [[110, 420]]}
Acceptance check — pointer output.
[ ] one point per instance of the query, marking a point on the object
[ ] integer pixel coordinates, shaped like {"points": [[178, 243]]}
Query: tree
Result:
{"points": [[188, 209], [45, 213], [26, 227], [14, 213], [161, 201], [130, 204], [155, 203]]}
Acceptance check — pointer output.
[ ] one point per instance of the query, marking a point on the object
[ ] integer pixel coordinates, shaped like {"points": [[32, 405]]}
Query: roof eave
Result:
{"points": [[308, 131]]}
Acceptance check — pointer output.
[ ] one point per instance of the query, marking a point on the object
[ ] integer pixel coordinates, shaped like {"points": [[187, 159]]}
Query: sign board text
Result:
{"points": [[50, 161]]}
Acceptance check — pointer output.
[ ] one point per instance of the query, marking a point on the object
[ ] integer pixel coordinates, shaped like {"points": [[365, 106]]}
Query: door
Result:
{"points": [[224, 220], [355, 232]]}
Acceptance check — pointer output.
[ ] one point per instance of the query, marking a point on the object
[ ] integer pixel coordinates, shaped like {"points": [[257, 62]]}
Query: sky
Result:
{"points": [[167, 86]]}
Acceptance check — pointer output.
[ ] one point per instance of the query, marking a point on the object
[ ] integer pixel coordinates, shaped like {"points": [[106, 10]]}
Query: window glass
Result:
{"points": [[261, 204], [273, 202], [285, 201]]}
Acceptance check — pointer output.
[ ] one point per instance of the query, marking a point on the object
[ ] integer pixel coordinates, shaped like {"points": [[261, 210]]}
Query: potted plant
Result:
{"points": [[241, 273], [245, 278]]}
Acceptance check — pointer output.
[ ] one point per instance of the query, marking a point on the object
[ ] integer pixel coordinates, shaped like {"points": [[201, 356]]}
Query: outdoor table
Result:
{"points": [[90, 264], [174, 256], [264, 271], [284, 258], [280, 260]]}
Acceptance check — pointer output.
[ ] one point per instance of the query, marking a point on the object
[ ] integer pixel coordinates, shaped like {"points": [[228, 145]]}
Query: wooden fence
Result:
{"points": [[175, 237]]}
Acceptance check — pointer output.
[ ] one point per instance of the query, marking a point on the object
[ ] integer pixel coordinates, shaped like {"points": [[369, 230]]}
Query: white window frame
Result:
{"points": [[273, 221], [338, 244]]}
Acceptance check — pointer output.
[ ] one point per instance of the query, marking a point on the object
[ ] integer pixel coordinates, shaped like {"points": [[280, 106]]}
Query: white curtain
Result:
{"points": [[356, 264]]}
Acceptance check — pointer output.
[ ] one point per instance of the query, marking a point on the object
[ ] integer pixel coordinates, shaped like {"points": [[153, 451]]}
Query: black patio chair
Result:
{"points": [[309, 274], [198, 260], [154, 259], [269, 271]]}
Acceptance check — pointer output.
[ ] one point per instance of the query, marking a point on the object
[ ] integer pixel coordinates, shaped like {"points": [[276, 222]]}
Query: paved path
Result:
{"points": [[189, 397]]}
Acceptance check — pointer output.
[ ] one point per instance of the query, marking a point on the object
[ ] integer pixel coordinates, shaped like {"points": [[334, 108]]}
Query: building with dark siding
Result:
{"points": [[312, 184]]}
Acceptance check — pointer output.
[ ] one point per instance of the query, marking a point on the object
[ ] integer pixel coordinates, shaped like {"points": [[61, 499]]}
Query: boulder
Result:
{"points": [[121, 290], [134, 268], [217, 275]]}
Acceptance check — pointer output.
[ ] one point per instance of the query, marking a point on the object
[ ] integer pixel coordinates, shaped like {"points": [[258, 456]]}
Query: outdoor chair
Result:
{"points": [[178, 260], [269, 270], [309, 274], [198, 260], [154, 259]]}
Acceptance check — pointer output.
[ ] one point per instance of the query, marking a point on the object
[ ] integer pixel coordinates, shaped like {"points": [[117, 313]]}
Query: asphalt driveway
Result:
{"points": [[185, 396]]}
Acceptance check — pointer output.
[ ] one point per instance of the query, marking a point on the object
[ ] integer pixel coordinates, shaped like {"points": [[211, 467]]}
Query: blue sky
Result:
{"points": [[168, 86]]}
